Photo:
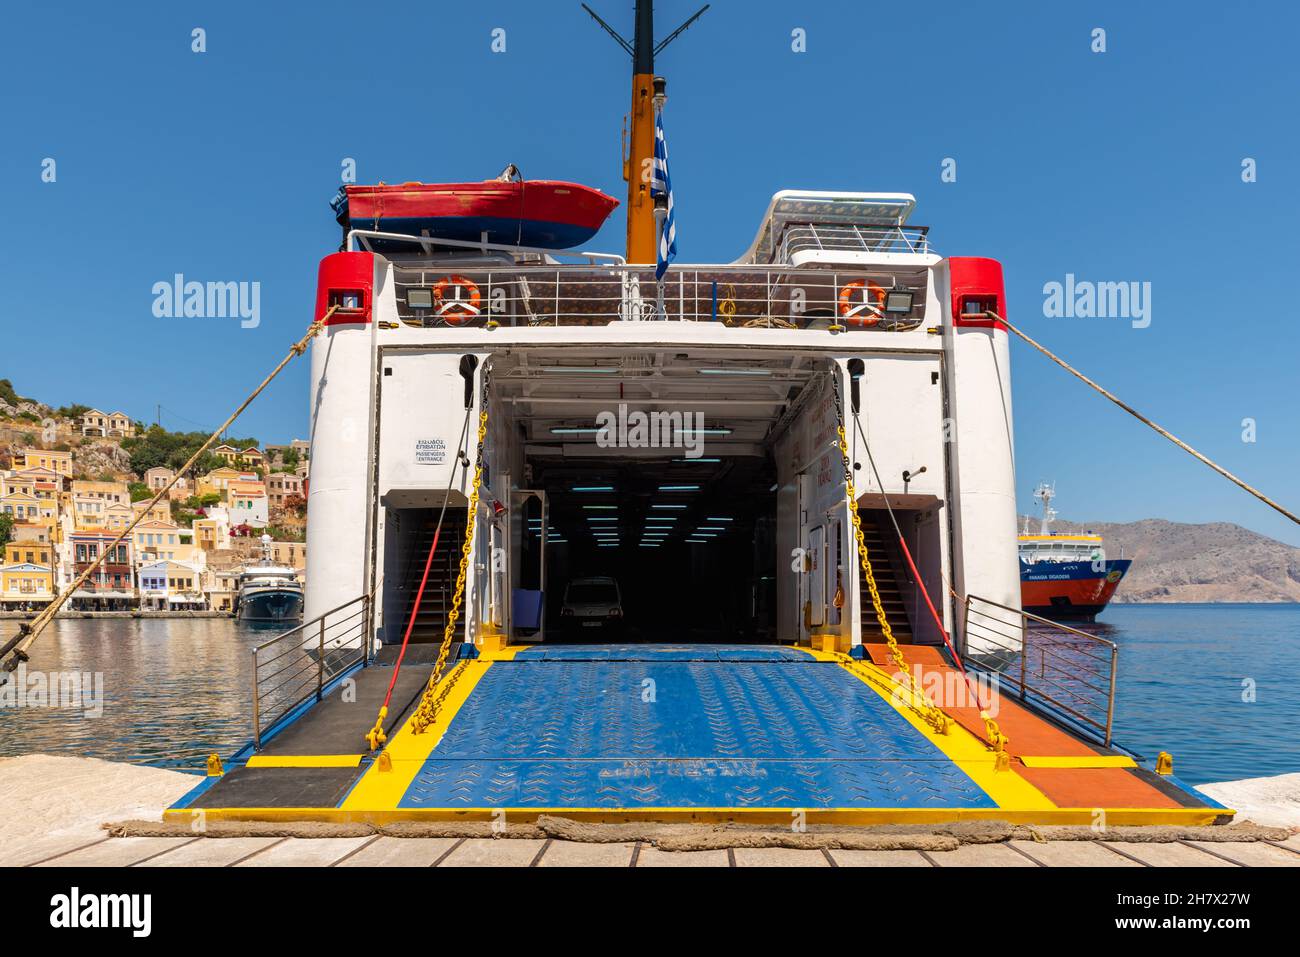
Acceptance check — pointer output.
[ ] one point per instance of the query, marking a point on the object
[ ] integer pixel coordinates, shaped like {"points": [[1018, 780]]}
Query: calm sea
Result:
{"points": [[1214, 685]]}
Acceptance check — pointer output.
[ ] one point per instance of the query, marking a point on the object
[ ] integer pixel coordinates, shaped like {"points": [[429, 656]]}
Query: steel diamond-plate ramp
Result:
{"points": [[670, 726]]}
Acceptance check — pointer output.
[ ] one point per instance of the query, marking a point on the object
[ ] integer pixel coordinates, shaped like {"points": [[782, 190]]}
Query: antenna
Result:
{"points": [[680, 30], [610, 30], [641, 231]]}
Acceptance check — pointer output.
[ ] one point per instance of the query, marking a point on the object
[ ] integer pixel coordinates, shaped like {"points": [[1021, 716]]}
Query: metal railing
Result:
{"points": [[809, 237], [748, 295], [1064, 668], [294, 667]]}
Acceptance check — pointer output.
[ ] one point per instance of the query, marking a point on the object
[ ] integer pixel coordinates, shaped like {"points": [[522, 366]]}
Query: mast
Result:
{"points": [[1045, 493], [642, 234], [641, 139]]}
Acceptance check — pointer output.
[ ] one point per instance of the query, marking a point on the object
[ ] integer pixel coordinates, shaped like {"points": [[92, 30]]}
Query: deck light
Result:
{"points": [[735, 372], [602, 518], [899, 301], [702, 432], [714, 518], [593, 488], [698, 461], [571, 430], [679, 488], [698, 541], [664, 506], [710, 528], [601, 508]]}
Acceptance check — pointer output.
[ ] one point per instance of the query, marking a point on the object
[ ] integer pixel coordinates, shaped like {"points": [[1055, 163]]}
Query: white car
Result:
{"points": [[592, 604]]}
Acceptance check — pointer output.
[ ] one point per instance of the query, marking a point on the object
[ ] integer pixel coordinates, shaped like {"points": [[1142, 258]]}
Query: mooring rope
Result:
{"points": [[28, 632], [990, 314]]}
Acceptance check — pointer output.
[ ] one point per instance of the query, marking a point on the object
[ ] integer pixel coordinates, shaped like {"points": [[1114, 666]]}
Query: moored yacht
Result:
{"points": [[267, 591]]}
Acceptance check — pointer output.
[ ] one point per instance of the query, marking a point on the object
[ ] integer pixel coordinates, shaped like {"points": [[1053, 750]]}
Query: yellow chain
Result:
{"points": [[927, 709], [920, 701], [432, 700]]}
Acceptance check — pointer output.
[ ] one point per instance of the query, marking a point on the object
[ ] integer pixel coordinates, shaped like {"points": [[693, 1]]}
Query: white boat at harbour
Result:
{"points": [[268, 591]]}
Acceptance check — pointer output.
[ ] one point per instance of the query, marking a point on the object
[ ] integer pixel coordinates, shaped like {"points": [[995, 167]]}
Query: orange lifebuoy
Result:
{"points": [[460, 309], [862, 313]]}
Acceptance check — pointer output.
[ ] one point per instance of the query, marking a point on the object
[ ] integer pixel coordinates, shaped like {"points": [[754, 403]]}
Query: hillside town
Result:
{"points": [[68, 489]]}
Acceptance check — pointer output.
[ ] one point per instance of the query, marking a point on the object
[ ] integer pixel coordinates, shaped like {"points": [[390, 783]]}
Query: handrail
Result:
{"points": [[309, 663], [757, 295], [1076, 671]]}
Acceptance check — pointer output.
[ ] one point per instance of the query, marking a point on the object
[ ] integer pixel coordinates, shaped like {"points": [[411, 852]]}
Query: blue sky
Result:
{"points": [[1119, 166]]}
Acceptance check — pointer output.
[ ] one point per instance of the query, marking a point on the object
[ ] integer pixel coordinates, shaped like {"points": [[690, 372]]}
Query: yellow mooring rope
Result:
{"points": [[1136, 414], [28, 632]]}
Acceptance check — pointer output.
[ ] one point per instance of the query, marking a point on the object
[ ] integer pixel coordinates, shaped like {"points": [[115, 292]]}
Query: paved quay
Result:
{"points": [[56, 806]]}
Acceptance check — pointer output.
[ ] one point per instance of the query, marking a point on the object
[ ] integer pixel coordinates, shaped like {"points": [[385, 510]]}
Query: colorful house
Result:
{"points": [[107, 425], [112, 586], [91, 499], [163, 541], [161, 512], [218, 480], [25, 585], [248, 505], [60, 462], [249, 458], [281, 485], [169, 586]]}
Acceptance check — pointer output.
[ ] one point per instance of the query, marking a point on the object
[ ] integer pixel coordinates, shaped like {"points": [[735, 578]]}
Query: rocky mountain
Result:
{"points": [[1177, 562]]}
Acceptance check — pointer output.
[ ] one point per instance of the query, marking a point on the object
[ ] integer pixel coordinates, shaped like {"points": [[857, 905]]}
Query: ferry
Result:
{"points": [[1065, 575], [268, 592], [798, 467]]}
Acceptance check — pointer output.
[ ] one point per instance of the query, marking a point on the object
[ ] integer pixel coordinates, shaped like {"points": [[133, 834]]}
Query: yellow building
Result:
{"points": [[24, 585], [218, 481], [163, 541], [91, 501], [60, 462], [23, 506], [107, 424], [29, 553], [161, 512], [247, 458], [211, 534]]}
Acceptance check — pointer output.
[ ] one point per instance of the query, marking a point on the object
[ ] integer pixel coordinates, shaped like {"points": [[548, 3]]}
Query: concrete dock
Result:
{"points": [[55, 807]]}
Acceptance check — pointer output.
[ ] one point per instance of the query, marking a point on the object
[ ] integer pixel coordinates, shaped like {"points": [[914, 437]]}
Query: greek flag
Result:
{"points": [[661, 185]]}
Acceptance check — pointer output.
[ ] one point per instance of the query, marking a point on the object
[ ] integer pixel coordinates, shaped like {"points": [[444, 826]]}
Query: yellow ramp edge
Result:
{"points": [[305, 761], [1081, 762]]}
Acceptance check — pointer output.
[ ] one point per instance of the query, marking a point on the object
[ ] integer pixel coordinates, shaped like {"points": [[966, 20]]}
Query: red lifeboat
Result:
{"points": [[512, 211]]}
